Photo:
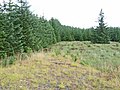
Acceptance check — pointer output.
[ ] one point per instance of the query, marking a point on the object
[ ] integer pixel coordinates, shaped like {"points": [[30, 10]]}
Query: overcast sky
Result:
{"points": [[78, 13]]}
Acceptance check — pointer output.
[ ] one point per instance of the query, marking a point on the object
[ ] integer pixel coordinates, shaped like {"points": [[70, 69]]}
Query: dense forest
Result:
{"points": [[21, 31]]}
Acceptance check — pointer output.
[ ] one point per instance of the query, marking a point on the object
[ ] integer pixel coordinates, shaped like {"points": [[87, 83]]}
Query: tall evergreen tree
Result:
{"points": [[25, 16], [57, 28], [7, 27], [47, 33], [100, 34]]}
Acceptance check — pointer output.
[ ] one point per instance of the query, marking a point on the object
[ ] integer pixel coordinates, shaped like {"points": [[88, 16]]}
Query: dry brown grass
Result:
{"points": [[51, 71], [42, 70]]}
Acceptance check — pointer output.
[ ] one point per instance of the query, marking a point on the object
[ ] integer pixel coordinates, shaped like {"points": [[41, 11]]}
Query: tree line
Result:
{"points": [[21, 31]]}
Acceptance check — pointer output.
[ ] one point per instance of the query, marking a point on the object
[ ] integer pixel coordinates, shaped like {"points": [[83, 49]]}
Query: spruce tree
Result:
{"points": [[6, 35], [100, 34], [47, 34], [25, 16], [57, 28]]}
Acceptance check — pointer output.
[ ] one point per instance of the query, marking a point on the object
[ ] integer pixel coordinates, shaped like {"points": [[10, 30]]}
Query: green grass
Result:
{"points": [[103, 57], [67, 65]]}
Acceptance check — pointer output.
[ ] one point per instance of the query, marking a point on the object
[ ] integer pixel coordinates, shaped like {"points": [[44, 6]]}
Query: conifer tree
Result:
{"points": [[100, 34], [6, 28], [57, 28], [15, 31], [47, 33], [25, 16]]}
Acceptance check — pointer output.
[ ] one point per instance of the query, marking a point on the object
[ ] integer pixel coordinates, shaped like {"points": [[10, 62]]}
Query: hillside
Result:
{"points": [[66, 66]]}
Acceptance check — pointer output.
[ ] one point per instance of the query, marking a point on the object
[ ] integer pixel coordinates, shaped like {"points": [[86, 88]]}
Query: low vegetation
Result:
{"points": [[65, 66]]}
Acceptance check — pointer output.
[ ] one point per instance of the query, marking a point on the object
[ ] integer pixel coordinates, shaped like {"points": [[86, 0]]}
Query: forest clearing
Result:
{"points": [[66, 66], [41, 54]]}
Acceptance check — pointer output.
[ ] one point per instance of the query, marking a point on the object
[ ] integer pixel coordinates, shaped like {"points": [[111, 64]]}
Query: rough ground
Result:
{"points": [[52, 71]]}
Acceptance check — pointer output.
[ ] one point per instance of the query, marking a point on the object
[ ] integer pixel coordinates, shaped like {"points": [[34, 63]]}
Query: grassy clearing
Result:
{"points": [[105, 57], [66, 66]]}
